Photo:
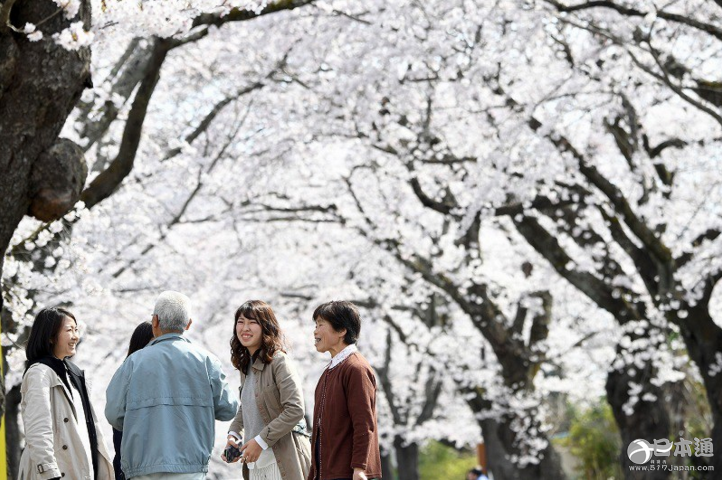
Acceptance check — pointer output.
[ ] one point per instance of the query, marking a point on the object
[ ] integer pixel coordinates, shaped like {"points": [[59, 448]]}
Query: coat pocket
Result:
{"points": [[273, 399]]}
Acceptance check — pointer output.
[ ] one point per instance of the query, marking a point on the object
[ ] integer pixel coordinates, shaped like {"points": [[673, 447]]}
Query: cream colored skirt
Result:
{"points": [[269, 472]]}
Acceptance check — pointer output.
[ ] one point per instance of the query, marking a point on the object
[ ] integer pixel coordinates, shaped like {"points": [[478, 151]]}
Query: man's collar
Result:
{"points": [[168, 336], [342, 355]]}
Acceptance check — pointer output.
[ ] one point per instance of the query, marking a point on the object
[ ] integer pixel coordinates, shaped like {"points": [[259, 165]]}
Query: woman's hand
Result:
{"points": [[359, 474], [232, 442], [251, 451]]}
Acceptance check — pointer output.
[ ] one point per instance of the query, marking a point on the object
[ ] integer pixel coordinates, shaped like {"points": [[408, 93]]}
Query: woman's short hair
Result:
{"points": [[341, 315], [271, 336], [44, 331], [142, 335], [173, 310]]}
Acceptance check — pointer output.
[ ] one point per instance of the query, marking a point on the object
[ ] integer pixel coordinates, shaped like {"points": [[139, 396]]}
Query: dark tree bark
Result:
{"points": [[500, 438], [496, 452], [520, 362], [649, 421], [640, 238], [40, 83], [12, 431], [407, 459], [387, 469], [704, 345]]}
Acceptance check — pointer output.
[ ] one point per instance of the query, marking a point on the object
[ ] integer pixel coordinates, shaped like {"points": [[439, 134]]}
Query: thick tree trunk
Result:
{"points": [[704, 346], [496, 454], [40, 83], [500, 440], [649, 420], [514, 438], [407, 459], [12, 431], [498, 437], [387, 468]]}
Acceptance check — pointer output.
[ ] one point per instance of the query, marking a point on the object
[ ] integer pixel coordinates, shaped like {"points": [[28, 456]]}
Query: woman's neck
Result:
{"points": [[336, 349]]}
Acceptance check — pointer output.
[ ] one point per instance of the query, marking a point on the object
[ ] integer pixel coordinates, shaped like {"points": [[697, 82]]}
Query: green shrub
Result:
{"points": [[438, 461], [594, 440]]}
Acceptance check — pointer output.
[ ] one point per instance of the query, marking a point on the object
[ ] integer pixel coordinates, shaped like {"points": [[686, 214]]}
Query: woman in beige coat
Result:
{"points": [[270, 421], [62, 436]]}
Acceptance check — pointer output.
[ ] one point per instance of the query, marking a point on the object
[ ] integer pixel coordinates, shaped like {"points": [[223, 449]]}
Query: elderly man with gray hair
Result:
{"points": [[165, 399]]}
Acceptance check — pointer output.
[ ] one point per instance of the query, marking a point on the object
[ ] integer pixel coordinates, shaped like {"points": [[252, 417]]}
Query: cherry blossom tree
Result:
{"points": [[649, 209], [445, 164], [470, 116], [390, 216], [50, 41]]}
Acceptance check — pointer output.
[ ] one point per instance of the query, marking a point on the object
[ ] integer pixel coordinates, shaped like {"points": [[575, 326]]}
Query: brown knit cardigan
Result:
{"points": [[344, 422]]}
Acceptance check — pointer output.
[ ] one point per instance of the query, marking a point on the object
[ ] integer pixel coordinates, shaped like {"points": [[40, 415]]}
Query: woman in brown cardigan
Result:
{"points": [[345, 433], [270, 419]]}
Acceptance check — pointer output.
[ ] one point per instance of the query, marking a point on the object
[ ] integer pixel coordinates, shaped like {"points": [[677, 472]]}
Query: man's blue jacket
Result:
{"points": [[165, 398]]}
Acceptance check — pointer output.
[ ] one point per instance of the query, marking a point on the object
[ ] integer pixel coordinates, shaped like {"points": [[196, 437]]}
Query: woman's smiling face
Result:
{"points": [[67, 339], [249, 333], [327, 339]]}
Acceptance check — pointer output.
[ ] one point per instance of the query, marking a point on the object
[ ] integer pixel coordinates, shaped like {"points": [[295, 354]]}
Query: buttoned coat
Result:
{"points": [[279, 397], [53, 445], [345, 424]]}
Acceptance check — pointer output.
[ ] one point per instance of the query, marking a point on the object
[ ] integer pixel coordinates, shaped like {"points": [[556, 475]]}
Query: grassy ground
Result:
{"points": [[439, 461]]}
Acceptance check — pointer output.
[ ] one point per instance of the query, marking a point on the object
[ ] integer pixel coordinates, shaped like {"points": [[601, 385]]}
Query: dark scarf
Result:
{"points": [[77, 377]]}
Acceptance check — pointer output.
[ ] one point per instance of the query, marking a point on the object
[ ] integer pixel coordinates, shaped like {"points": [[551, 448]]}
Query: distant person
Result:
{"points": [[270, 421], [345, 432], [142, 335], [165, 399], [476, 474], [62, 435]]}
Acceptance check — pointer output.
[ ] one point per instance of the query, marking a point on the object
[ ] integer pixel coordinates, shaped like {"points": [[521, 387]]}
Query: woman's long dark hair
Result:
{"points": [[44, 331], [142, 335], [271, 340]]}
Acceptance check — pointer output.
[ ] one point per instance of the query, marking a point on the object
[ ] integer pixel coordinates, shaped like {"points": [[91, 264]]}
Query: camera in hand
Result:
{"points": [[231, 453]]}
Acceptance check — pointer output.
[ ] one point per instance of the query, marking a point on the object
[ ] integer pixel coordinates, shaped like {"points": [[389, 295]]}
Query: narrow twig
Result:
{"points": [[7, 6]]}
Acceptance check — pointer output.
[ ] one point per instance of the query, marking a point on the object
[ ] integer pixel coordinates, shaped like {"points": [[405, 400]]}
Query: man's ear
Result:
{"points": [[342, 333], [155, 321], [190, 320]]}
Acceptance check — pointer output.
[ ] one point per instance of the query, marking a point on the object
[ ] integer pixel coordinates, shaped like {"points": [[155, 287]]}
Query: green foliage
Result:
{"points": [[594, 440], [438, 461]]}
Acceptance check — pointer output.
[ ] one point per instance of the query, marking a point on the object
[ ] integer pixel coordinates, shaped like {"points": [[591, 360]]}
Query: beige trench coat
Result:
{"points": [[279, 398], [53, 446]]}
